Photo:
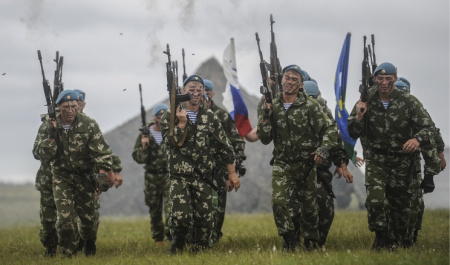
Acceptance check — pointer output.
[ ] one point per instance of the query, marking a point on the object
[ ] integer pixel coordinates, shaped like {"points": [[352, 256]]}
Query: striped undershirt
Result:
{"points": [[385, 104], [192, 115], [157, 135], [286, 105]]}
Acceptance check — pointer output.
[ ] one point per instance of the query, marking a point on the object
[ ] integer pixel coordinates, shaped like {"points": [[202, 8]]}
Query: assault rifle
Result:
{"points": [[373, 59], [47, 91], [175, 100], [275, 68], [144, 129], [366, 83], [58, 86], [184, 66], [264, 88]]}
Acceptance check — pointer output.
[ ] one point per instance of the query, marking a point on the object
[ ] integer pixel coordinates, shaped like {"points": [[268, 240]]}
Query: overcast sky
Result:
{"points": [[111, 46]]}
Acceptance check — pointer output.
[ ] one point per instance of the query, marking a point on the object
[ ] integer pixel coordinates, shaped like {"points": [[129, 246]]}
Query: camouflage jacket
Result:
{"points": [[205, 139], [338, 156], [440, 145], [44, 173], [154, 157], [78, 150], [301, 130], [230, 129], [116, 163], [389, 129]]}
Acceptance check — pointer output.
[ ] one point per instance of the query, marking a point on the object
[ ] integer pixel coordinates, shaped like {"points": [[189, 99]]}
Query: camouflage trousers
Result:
{"points": [[390, 192], [191, 208], [219, 205], [47, 213], [157, 199], [74, 198], [325, 204], [294, 200]]}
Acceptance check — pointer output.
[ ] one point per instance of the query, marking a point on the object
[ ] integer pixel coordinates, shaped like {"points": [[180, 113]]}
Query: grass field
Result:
{"points": [[248, 239]]}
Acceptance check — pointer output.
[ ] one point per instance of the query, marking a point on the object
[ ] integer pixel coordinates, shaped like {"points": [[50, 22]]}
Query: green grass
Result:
{"points": [[248, 239]]}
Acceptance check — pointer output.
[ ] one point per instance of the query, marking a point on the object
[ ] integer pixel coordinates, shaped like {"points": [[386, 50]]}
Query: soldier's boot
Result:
{"points": [[178, 245], [89, 247], [291, 242], [80, 245], [415, 235], [381, 240], [311, 245], [50, 251]]}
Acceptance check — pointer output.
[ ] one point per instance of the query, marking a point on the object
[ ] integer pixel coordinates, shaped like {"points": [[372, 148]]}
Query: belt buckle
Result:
{"points": [[390, 153]]}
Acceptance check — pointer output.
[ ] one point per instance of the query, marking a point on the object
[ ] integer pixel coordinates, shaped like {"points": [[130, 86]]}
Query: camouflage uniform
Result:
{"points": [[190, 167], [389, 187], [47, 209], [74, 155], [325, 200], [300, 130], [156, 184], [220, 171]]}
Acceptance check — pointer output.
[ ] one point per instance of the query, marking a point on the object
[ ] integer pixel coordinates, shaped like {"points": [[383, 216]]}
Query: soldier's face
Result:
{"points": [[292, 82], [81, 106], [196, 89], [385, 83], [69, 110]]}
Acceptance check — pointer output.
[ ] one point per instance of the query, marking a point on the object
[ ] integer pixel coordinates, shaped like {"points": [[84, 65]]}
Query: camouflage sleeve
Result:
{"points": [[354, 126], [116, 163], [235, 138], [422, 122], [44, 148], [339, 155], [139, 155], [440, 145], [322, 125], [432, 163], [40, 135], [264, 127], [165, 128], [220, 142], [100, 151]]}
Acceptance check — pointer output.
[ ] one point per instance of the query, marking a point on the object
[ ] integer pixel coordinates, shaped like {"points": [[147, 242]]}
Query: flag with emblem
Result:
{"points": [[340, 87], [232, 97]]}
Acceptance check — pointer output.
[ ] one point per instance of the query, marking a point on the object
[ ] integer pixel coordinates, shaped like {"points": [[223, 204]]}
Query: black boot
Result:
{"points": [[381, 240], [89, 247], [80, 245], [177, 245], [290, 241], [50, 251], [416, 233]]}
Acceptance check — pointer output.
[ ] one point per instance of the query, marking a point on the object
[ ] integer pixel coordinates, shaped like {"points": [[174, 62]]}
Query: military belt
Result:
{"points": [[389, 153]]}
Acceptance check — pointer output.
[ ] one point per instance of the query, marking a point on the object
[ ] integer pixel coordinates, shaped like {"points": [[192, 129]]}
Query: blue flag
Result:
{"points": [[340, 86]]}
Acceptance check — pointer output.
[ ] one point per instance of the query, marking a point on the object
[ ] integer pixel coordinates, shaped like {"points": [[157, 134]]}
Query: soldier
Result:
{"points": [[338, 156], [303, 138], [75, 146], [397, 124], [149, 150], [47, 209], [220, 171], [191, 159], [114, 173], [418, 204]]}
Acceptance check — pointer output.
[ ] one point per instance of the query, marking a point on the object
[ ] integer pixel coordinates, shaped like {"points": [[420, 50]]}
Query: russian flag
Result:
{"points": [[232, 97]]}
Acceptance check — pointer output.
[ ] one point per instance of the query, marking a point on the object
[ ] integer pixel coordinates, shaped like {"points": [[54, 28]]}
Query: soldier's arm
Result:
{"points": [[354, 126], [322, 125], [264, 127], [45, 148], [139, 154], [99, 149]]}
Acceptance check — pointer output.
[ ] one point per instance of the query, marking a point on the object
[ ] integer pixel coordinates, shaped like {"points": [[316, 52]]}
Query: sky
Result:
{"points": [[111, 46]]}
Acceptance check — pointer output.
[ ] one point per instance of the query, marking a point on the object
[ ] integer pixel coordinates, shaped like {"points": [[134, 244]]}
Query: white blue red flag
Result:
{"points": [[232, 97]]}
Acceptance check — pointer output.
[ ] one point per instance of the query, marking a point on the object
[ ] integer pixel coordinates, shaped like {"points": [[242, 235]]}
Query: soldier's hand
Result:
{"points": [[145, 141], [361, 109], [360, 161], [427, 184], [443, 162], [347, 175], [51, 128], [181, 115], [229, 185], [411, 145], [234, 180], [338, 171], [103, 182], [117, 179], [318, 159]]}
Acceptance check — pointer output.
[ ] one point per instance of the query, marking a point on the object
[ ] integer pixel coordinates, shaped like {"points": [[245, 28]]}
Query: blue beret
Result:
{"points": [[295, 68], [160, 109], [311, 88], [193, 78], [313, 80], [81, 93], [402, 86], [67, 95], [404, 80], [385, 69], [305, 76], [208, 85]]}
